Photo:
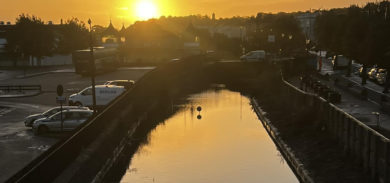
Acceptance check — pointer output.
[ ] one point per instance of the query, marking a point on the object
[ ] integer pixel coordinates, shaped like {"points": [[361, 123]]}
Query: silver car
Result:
{"points": [[28, 121], [381, 76], [71, 119]]}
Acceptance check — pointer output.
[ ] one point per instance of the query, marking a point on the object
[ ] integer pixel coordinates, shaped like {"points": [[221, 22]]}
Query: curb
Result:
{"points": [[21, 96], [297, 166], [40, 74]]}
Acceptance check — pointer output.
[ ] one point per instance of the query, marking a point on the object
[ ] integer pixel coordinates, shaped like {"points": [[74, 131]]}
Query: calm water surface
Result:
{"points": [[228, 144]]}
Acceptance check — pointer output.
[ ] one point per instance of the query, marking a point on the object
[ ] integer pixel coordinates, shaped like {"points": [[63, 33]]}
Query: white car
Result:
{"points": [[28, 121], [258, 55], [71, 120], [104, 95], [125, 83]]}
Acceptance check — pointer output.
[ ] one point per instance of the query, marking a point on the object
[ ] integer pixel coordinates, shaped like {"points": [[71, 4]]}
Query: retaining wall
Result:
{"points": [[297, 166], [369, 148], [356, 89]]}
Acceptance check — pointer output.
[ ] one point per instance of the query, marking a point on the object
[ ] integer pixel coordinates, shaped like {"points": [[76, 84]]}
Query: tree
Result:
{"points": [[32, 37], [359, 33], [73, 35]]}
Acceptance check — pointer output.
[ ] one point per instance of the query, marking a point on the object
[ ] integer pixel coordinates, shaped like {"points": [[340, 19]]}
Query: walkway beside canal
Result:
{"points": [[364, 110]]}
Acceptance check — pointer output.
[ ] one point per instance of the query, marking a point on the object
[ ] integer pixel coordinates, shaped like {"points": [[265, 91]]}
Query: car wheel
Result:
{"points": [[78, 104], [31, 123], [42, 130]]}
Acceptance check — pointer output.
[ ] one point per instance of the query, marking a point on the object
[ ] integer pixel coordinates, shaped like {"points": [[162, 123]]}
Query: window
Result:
{"points": [[87, 91], [72, 115], [56, 117], [51, 112], [85, 115]]}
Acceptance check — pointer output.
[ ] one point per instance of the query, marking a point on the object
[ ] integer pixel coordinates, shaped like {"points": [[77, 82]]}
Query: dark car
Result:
{"points": [[125, 83]]}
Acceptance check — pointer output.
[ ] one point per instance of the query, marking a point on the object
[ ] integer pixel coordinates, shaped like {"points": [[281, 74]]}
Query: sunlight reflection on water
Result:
{"points": [[228, 144]]}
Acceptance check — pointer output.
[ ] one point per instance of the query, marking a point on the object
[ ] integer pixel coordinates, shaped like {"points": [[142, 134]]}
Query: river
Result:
{"points": [[224, 142]]}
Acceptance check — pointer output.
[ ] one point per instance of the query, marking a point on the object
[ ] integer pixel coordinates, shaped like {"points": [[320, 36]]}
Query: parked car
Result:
{"points": [[104, 95], [258, 55], [381, 76], [372, 73], [28, 121], [340, 62], [125, 83], [71, 120]]}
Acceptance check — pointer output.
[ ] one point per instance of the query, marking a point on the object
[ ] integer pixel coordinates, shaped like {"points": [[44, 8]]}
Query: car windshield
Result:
{"points": [[51, 112], [87, 91], [57, 116]]}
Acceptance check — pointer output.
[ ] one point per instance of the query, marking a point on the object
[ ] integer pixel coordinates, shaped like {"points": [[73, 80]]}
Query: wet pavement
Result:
{"points": [[363, 110], [18, 145]]}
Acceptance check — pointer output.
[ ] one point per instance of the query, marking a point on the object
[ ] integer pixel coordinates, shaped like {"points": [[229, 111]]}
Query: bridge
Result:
{"points": [[90, 152]]}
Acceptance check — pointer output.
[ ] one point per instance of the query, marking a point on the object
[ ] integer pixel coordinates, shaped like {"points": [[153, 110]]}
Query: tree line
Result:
{"points": [[360, 33], [30, 37]]}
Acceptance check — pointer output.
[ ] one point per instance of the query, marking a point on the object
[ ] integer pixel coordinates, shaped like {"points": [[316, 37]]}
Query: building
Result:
{"points": [[307, 21], [110, 37]]}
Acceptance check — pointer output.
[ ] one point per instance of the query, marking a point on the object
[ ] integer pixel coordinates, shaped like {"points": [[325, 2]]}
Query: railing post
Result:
{"points": [[346, 134], [351, 137], [366, 149], [358, 143], [373, 156], [339, 126], [386, 162]]}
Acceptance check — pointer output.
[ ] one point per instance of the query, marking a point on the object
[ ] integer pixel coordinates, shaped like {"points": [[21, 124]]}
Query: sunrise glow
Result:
{"points": [[145, 10]]}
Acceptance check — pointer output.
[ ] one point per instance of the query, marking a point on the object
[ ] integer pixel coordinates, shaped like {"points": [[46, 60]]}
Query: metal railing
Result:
{"points": [[367, 146], [20, 88]]}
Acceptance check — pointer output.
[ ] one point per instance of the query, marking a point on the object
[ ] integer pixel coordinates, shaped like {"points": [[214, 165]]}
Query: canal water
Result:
{"points": [[224, 142]]}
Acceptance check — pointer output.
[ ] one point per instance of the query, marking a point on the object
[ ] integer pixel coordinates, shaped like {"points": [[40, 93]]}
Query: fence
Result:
{"points": [[369, 148], [364, 92], [20, 88]]}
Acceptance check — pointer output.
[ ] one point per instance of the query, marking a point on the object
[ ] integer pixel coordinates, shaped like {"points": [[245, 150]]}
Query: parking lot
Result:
{"points": [[18, 144]]}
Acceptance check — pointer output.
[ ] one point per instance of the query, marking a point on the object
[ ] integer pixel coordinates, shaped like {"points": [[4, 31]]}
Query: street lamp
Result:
{"points": [[92, 68]]}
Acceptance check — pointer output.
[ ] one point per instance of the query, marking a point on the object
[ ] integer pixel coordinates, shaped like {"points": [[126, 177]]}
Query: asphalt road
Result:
{"points": [[18, 145]]}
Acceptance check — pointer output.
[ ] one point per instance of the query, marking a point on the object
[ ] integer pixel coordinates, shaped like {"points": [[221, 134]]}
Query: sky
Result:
{"points": [[129, 11]]}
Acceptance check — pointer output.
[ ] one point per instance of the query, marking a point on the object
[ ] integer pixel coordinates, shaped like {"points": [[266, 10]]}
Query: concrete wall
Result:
{"points": [[369, 148], [88, 153]]}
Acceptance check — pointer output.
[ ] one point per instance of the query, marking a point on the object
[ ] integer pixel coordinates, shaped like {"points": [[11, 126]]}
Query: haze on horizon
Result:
{"points": [[129, 11]]}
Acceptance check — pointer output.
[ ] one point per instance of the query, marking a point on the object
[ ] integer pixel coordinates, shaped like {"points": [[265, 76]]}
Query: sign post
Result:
{"points": [[61, 99], [92, 67]]}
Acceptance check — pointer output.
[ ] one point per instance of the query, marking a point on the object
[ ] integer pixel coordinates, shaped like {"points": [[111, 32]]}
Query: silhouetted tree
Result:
{"points": [[32, 37], [359, 33], [73, 35]]}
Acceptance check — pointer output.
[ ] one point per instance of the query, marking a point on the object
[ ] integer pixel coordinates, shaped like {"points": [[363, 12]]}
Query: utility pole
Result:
{"points": [[92, 68]]}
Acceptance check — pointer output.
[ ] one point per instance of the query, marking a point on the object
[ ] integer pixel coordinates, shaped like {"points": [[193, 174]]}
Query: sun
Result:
{"points": [[145, 10]]}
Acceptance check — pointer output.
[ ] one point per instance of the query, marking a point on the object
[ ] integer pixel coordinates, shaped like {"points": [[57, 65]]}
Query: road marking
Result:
{"points": [[5, 111]]}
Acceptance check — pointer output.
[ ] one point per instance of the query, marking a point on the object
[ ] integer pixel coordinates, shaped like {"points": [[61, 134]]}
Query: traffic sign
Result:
{"points": [[61, 99], [60, 90]]}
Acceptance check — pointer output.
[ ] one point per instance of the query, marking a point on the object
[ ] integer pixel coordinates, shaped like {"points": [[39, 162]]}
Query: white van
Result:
{"points": [[104, 95], [258, 55]]}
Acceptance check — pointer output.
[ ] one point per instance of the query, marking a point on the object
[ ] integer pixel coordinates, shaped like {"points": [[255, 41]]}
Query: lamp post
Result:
{"points": [[92, 68]]}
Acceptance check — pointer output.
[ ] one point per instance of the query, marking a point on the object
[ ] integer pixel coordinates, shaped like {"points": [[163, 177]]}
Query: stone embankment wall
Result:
{"points": [[368, 147]]}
